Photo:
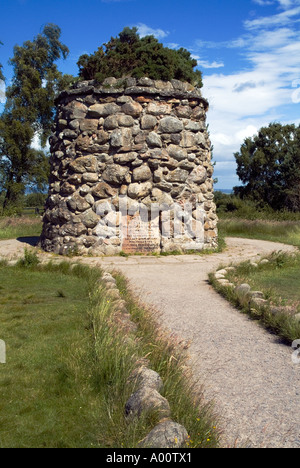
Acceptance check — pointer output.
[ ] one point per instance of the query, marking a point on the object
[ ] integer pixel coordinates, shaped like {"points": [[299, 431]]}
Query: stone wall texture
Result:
{"points": [[130, 170]]}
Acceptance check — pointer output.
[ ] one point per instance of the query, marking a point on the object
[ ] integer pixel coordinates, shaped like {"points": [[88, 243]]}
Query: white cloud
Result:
{"points": [[283, 18], [36, 142], [2, 92], [206, 64], [145, 30], [172, 45]]}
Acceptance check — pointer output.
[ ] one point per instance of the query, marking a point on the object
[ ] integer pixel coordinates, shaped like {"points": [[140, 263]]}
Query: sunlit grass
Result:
{"points": [[287, 232], [24, 226]]}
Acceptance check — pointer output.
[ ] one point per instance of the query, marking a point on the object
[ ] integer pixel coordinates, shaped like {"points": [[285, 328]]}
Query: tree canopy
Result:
{"points": [[28, 112], [130, 55], [269, 166]]}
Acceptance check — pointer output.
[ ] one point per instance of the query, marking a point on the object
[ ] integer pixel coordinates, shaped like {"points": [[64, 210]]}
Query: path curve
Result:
{"points": [[245, 369]]}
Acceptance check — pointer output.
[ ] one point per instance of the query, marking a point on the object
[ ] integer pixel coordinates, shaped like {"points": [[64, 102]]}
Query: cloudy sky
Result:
{"points": [[248, 51]]}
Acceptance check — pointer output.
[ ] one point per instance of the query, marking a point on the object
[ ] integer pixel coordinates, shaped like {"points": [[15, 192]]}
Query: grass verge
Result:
{"points": [[287, 232], [279, 280]]}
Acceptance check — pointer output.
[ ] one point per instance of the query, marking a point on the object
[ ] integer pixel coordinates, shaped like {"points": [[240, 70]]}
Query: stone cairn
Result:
{"points": [[130, 170]]}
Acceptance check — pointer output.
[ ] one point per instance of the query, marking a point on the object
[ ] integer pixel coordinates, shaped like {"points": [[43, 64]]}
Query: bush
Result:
{"points": [[130, 55], [30, 259]]}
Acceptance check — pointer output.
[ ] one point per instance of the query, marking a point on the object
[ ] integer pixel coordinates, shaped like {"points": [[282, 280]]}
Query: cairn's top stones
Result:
{"points": [[132, 87]]}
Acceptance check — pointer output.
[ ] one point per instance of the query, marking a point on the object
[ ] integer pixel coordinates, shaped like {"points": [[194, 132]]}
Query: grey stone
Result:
{"points": [[178, 175], [111, 122], [115, 174], [125, 158], [256, 294], [142, 173], [177, 153], [89, 218], [243, 289], [121, 137], [161, 197], [75, 179], [103, 110], [90, 177], [69, 134], [170, 125], [102, 137], [84, 164], [184, 111], [156, 108], [224, 271], [202, 141], [125, 120], [154, 140], [195, 126], [148, 122], [137, 190], [147, 400], [77, 203], [76, 110], [297, 317], [163, 85], [62, 123], [89, 125], [90, 199], [198, 175], [103, 190], [188, 139], [67, 189], [165, 186], [264, 261], [75, 230], [166, 434], [145, 81], [258, 302], [132, 108], [145, 377]]}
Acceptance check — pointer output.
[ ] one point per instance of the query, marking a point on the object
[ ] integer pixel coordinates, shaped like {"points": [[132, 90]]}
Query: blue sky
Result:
{"points": [[248, 51]]}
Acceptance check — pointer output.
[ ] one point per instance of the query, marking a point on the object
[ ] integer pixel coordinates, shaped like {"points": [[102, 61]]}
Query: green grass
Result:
{"points": [[287, 232], [279, 280], [24, 226], [65, 383], [46, 397]]}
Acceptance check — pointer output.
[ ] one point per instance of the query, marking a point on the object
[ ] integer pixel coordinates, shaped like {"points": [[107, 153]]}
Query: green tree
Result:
{"points": [[29, 111], [269, 166], [130, 55]]}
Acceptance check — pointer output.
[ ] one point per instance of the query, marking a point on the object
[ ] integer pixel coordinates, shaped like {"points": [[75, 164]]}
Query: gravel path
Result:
{"points": [[245, 369]]}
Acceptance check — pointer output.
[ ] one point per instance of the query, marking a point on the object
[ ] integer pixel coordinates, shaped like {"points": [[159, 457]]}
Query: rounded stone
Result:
{"points": [[147, 400], [166, 434], [132, 108], [141, 174], [170, 125]]}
